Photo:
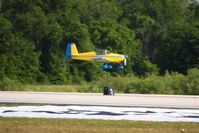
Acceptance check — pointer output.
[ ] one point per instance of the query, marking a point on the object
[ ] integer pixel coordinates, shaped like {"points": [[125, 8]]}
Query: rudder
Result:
{"points": [[71, 50]]}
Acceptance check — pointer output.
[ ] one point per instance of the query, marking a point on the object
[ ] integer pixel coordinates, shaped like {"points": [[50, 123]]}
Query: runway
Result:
{"points": [[97, 99]]}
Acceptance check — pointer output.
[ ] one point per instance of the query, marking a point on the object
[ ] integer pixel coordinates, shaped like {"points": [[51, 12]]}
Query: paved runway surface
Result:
{"points": [[133, 100]]}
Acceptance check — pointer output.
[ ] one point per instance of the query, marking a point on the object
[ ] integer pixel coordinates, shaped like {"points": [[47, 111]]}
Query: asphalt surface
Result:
{"points": [[132, 100]]}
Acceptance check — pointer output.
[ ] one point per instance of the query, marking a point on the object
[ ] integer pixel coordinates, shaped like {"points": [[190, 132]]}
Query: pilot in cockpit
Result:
{"points": [[106, 52], [103, 52]]}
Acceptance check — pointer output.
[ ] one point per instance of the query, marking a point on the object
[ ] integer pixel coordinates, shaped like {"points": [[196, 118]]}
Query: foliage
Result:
{"points": [[156, 35], [192, 82], [18, 59], [170, 83], [7, 84], [179, 50]]}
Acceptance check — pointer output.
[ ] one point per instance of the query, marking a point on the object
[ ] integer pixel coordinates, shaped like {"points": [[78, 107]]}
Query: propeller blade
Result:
{"points": [[124, 61]]}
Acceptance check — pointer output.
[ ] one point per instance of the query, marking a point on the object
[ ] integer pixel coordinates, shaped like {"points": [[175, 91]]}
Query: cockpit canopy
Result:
{"points": [[103, 52]]}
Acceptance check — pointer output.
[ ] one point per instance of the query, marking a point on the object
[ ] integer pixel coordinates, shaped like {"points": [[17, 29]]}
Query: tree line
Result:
{"points": [[158, 36]]}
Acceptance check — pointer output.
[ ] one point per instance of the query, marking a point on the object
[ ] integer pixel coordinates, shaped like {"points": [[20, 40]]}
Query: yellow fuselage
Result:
{"points": [[93, 57]]}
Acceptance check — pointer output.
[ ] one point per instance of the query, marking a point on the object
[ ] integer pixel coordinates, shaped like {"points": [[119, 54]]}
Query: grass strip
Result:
{"points": [[43, 125]]}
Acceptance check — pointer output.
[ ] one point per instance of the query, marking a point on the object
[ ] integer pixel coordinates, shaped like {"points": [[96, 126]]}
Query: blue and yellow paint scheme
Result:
{"points": [[99, 56]]}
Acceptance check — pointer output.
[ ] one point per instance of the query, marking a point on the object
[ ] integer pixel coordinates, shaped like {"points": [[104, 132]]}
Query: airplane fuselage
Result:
{"points": [[93, 57]]}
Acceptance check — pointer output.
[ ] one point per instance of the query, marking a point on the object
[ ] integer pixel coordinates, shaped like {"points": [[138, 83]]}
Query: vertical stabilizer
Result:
{"points": [[71, 50]]}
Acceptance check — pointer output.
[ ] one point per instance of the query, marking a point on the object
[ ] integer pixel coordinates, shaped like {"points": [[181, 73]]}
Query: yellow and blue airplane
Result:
{"points": [[104, 56]]}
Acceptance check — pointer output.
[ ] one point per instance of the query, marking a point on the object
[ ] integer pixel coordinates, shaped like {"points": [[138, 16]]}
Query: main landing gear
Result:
{"points": [[108, 66]]}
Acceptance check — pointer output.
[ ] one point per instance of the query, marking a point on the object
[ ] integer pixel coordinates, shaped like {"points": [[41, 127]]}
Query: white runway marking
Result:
{"points": [[100, 112]]}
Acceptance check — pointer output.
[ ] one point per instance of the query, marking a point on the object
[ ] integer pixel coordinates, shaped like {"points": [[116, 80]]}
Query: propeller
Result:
{"points": [[125, 59]]}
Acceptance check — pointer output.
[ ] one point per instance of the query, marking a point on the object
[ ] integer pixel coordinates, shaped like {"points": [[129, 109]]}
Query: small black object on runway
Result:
{"points": [[108, 91]]}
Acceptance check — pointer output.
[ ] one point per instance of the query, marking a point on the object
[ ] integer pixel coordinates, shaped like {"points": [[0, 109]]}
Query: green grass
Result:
{"points": [[56, 88], [28, 125], [49, 88]]}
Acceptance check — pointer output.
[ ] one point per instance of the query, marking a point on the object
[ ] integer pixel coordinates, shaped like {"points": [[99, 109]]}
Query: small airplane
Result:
{"points": [[105, 56]]}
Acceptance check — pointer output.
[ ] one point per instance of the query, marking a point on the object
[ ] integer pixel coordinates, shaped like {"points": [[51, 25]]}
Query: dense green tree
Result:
{"points": [[52, 58], [179, 50], [103, 9], [34, 34], [33, 24], [192, 11], [0, 5], [17, 56], [5, 26], [149, 19]]}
